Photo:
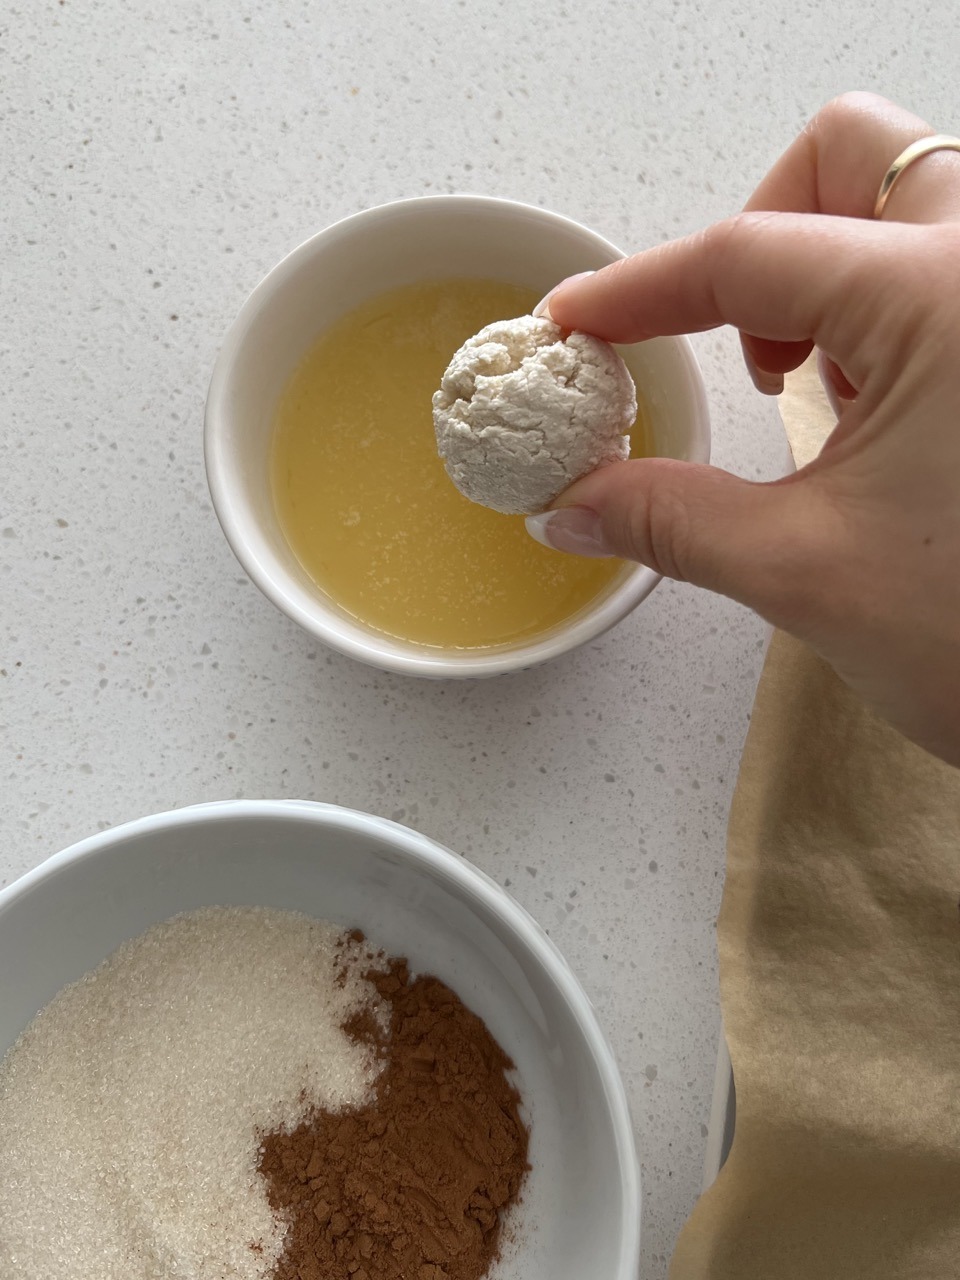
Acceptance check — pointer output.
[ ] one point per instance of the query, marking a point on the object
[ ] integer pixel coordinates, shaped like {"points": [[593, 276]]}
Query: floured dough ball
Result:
{"points": [[522, 412]]}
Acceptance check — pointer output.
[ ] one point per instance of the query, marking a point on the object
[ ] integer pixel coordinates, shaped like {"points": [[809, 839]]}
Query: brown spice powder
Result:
{"points": [[414, 1185]]}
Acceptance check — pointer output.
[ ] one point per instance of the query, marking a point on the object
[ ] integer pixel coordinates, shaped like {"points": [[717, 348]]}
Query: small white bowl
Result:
{"points": [[580, 1214], [431, 238]]}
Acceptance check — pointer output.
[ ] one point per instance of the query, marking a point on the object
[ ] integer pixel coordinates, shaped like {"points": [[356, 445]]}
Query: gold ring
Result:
{"points": [[922, 147]]}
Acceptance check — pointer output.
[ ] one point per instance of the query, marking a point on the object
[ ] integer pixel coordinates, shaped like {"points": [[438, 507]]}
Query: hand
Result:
{"points": [[858, 553]]}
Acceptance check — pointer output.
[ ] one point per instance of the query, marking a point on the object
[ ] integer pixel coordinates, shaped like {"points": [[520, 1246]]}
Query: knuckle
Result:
{"points": [[618, 271], [847, 109], [657, 528], [625, 307], [851, 103], [726, 247], [728, 240], [670, 536]]}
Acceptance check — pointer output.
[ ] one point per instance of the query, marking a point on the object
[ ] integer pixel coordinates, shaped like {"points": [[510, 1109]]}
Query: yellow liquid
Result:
{"points": [[366, 505]]}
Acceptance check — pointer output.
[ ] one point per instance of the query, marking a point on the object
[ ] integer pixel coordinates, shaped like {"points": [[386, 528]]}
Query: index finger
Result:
{"points": [[781, 276]]}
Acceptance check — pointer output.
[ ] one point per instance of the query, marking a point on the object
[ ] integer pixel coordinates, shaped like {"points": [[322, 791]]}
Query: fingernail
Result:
{"points": [[573, 529], [768, 384], [542, 309]]}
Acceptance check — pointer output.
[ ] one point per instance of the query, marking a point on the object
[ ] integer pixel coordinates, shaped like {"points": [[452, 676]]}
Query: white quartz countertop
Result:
{"points": [[158, 159]]}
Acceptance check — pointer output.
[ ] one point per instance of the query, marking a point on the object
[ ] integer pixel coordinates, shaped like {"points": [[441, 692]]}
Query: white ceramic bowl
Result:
{"points": [[580, 1215], [396, 244]]}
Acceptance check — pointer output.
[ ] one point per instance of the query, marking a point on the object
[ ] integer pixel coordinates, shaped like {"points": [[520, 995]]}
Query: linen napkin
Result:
{"points": [[839, 941]]}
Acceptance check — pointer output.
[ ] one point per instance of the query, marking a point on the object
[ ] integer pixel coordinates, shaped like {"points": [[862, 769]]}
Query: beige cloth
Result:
{"points": [[839, 940]]}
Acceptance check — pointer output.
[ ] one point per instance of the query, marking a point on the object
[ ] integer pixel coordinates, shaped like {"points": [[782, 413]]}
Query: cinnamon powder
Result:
{"points": [[413, 1185]]}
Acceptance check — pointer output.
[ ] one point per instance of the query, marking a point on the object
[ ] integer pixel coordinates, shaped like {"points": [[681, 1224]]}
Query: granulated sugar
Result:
{"points": [[131, 1107]]}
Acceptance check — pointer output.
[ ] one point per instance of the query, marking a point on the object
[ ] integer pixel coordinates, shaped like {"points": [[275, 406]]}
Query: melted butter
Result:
{"points": [[366, 505]]}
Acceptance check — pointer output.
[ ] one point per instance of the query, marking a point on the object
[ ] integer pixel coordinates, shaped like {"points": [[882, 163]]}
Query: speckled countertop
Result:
{"points": [[158, 159]]}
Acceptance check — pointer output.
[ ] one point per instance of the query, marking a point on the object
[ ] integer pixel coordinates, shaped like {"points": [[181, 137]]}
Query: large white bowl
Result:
{"points": [[431, 238], [580, 1215]]}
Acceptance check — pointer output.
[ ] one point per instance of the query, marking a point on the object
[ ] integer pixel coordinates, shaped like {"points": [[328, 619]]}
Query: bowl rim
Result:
{"points": [[354, 639], [428, 854]]}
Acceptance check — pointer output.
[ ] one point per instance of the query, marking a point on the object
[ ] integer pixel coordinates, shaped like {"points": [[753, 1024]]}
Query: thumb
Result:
{"points": [[764, 545]]}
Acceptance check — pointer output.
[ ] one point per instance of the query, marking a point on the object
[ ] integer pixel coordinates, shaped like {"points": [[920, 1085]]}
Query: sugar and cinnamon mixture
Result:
{"points": [[248, 1094]]}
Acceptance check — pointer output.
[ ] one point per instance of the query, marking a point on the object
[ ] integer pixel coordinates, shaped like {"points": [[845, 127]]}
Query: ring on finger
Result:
{"points": [[915, 151]]}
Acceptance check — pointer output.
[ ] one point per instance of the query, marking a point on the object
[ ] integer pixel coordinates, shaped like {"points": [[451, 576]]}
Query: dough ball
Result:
{"points": [[523, 411]]}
